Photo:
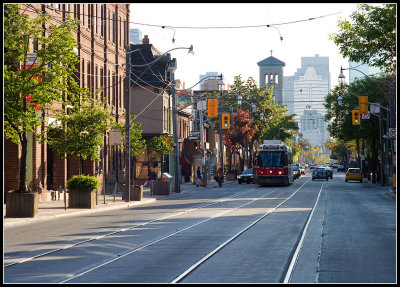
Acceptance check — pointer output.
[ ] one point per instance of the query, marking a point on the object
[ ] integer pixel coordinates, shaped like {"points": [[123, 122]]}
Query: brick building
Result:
{"points": [[102, 37]]}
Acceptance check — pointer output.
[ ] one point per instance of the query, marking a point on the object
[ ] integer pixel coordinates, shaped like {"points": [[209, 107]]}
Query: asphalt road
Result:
{"points": [[310, 231]]}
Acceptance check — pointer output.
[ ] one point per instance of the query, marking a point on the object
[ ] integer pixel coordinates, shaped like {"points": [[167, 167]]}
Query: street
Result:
{"points": [[307, 232]]}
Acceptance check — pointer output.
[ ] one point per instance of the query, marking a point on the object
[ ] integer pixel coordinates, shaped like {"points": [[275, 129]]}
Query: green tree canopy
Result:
{"points": [[30, 87], [371, 37], [80, 130]]}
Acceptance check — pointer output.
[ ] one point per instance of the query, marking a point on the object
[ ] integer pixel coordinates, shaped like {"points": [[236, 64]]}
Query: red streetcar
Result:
{"points": [[273, 164]]}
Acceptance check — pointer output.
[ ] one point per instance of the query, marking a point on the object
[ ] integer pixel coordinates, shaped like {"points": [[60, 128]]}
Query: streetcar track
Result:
{"points": [[300, 243], [119, 256], [167, 236], [213, 252], [23, 260]]}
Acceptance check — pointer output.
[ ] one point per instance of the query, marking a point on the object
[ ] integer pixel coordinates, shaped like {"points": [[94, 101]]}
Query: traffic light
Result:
{"points": [[212, 108], [226, 123], [363, 104], [355, 117]]}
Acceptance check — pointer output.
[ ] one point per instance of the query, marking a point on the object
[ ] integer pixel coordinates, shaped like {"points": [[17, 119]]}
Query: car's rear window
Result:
{"points": [[354, 170]]}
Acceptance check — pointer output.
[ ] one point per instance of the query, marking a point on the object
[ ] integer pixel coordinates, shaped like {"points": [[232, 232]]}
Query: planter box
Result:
{"points": [[159, 187], [82, 199], [22, 204]]}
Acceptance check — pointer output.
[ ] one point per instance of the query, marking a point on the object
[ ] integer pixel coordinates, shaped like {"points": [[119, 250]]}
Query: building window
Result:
{"points": [[88, 76], [113, 89], [108, 88], [108, 21], [35, 45], [276, 79], [102, 20], [95, 18], [83, 14], [102, 83], [89, 15], [120, 30], [113, 28], [96, 75], [75, 10], [83, 73]]}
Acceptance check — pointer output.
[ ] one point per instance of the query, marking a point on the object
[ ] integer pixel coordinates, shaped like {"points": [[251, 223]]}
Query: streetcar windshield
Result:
{"points": [[272, 159]]}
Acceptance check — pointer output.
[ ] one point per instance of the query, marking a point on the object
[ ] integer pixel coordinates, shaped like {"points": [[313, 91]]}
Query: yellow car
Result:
{"points": [[353, 174]]}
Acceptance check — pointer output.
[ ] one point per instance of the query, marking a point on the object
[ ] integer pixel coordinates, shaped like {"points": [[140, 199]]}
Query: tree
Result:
{"points": [[241, 132], [161, 145], [80, 130], [371, 38], [30, 88]]}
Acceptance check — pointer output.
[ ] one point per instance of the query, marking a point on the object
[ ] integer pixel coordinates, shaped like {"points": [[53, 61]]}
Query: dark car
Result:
{"points": [[296, 172], [319, 173], [246, 176], [340, 167], [329, 171]]}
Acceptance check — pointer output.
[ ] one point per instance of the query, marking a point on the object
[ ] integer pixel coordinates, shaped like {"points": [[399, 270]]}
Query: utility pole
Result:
{"points": [[221, 151], [203, 155], [127, 125], [172, 69]]}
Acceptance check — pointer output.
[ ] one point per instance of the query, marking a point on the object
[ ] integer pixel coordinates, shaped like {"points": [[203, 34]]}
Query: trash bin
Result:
{"points": [[166, 177], [137, 192]]}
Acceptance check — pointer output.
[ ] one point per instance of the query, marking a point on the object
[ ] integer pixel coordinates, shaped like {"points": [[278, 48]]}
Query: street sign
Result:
{"points": [[115, 137], [31, 57], [392, 132], [365, 116]]}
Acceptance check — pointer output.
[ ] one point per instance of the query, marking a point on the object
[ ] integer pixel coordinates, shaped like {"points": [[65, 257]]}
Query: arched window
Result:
{"points": [[276, 79], [266, 78], [271, 78]]}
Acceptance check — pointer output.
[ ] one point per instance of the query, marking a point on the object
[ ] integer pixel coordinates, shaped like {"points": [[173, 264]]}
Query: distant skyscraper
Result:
{"points": [[363, 69], [305, 94], [135, 36]]}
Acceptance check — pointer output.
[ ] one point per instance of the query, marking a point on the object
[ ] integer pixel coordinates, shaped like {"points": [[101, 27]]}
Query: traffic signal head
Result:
{"points": [[355, 116], [226, 120], [212, 108], [363, 104]]}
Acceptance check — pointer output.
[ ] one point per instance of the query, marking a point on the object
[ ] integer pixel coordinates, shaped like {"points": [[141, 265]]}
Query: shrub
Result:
{"points": [[83, 182]]}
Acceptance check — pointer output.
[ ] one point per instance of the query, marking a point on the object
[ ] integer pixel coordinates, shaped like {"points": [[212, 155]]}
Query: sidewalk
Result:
{"points": [[389, 189], [51, 209]]}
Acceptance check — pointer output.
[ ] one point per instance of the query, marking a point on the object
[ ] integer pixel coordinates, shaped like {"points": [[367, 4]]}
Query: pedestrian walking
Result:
{"points": [[151, 175], [198, 173], [220, 177]]}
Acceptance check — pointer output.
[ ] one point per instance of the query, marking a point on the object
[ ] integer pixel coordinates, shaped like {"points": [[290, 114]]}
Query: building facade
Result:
{"points": [[101, 37]]}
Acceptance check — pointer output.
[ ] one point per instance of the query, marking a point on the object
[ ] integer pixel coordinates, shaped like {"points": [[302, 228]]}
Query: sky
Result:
{"points": [[236, 51]]}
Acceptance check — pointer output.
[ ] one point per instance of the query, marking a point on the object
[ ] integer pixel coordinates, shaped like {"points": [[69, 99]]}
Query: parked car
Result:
{"points": [[319, 173], [246, 176], [340, 167], [329, 171], [353, 174], [312, 166], [296, 172], [335, 165]]}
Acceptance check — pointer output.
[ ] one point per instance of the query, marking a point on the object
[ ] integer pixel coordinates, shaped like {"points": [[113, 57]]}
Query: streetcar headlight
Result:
{"points": [[280, 172]]}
